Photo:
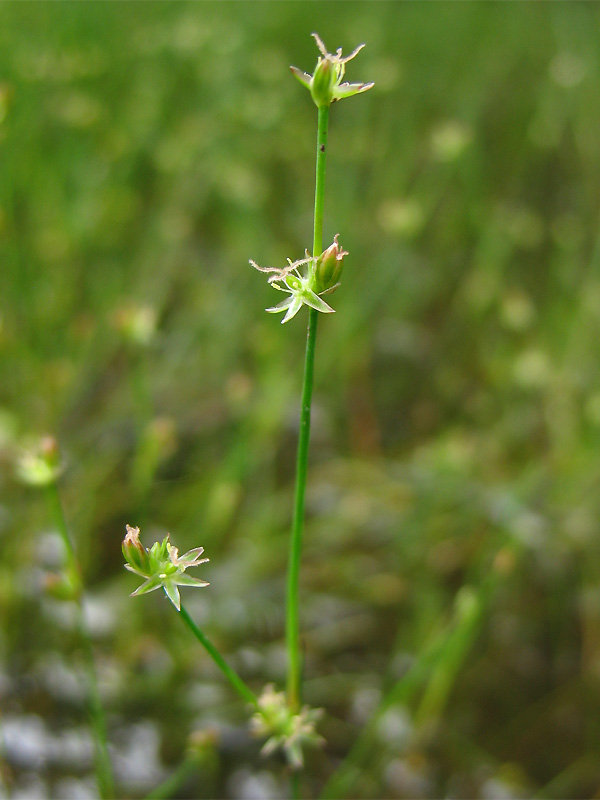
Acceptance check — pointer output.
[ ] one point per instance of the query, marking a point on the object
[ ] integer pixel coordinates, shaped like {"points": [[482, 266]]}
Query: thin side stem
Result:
{"points": [[56, 510], [295, 785], [234, 679], [104, 772], [292, 605], [170, 787]]}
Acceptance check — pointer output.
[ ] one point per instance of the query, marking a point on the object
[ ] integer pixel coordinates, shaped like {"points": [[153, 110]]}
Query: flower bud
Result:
{"points": [[41, 465], [202, 748], [134, 552], [49, 452], [137, 324], [328, 269], [323, 82], [66, 586]]}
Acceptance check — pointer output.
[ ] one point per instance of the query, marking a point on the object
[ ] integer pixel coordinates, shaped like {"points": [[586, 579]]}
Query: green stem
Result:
{"points": [[295, 785], [234, 679], [103, 766], [292, 605], [323, 124], [171, 786], [56, 510]]}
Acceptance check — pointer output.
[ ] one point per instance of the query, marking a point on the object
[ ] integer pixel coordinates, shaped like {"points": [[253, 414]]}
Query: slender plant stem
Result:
{"points": [[292, 605], [322, 127], [171, 786], [103, 766], [56, 510], [234, 679], [295, 785]]}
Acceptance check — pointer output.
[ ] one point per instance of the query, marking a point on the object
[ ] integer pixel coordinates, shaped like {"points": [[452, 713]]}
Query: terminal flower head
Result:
{"points": [[161, 565], [306, 280], [325, 84]]}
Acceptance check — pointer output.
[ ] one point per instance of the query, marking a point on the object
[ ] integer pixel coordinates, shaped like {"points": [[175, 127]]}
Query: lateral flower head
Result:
{"points": [[306, 280], [161, 565], [286, 730], [325, 84]]}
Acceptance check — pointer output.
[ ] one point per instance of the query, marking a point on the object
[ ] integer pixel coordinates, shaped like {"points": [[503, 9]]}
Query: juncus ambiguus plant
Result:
{"points": [[306, 281], [279, 716]]}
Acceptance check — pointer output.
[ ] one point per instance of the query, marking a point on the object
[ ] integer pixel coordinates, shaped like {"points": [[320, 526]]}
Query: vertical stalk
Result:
{"points": [[103, 766], [323, 124], [292, 605], [295, 785]]}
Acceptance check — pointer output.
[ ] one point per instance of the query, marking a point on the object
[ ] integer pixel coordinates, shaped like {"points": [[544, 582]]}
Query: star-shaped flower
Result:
{"points": [[321, 277], [325, 84], [161, 565]]}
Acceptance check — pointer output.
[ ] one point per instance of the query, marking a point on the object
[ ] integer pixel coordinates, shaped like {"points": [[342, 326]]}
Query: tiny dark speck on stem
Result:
{"points": [[322, 148]]}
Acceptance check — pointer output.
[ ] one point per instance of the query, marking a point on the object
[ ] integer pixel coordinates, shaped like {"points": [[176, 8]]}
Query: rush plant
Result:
{"points": [[280, 717], [306, 281]]}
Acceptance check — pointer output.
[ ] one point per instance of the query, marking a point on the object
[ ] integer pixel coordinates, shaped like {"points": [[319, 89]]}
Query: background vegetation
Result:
{"points": [[452, 567]]}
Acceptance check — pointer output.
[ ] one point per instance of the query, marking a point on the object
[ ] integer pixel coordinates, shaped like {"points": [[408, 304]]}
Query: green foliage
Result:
{"points": [[452, 564]]}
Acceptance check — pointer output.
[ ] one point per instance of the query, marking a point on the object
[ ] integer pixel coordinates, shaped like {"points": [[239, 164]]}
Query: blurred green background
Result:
{"points": [[451, 580]]}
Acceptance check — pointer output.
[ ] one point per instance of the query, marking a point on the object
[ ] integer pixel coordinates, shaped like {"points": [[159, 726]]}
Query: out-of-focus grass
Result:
{"points": [[147, 151]]}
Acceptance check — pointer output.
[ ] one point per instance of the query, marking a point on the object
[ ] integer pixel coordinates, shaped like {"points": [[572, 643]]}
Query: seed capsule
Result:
{"points": [[328, 270]]}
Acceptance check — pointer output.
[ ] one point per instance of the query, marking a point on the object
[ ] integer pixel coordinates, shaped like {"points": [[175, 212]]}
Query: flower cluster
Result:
{"points": [[325, 84], [161, 565], [286, 729], [305, 287]]}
